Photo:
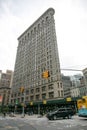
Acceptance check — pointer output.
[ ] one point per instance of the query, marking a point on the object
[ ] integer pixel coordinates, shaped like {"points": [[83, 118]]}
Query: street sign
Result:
{"points": [[68, 99]]}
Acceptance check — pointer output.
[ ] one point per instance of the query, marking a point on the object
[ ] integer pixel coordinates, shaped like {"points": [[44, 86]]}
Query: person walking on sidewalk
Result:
{"points": [[4, 114]]}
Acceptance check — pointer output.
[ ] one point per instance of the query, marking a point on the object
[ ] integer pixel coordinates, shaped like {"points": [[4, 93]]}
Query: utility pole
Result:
{"points": [[45, 75]]}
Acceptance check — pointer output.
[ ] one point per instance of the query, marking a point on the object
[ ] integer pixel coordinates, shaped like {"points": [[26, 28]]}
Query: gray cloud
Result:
{"points": [[71, 27]]}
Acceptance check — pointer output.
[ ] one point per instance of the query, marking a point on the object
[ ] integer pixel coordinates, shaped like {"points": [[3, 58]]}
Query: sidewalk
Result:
{"points": [[27, 116], [32, 119]]}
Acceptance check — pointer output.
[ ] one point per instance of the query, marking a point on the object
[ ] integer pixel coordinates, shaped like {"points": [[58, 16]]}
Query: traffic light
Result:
{"points": [[45, 74], [21, 89]]}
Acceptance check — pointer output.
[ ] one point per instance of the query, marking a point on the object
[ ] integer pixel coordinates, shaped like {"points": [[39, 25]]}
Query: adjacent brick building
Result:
{"points": [[5, 86]]}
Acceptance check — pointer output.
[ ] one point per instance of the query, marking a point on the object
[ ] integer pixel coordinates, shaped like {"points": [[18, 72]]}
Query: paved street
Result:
{"points": [[35, 123]]}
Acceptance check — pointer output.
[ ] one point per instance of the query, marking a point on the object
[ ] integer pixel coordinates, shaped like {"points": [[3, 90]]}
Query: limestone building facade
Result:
{"points": [[37, 53]]}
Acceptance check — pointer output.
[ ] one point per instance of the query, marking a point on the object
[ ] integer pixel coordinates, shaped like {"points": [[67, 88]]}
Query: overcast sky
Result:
{"points": [[70, 22]]}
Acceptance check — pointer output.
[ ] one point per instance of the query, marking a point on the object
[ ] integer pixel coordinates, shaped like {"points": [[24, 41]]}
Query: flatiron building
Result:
{"points": [[37, 53]]}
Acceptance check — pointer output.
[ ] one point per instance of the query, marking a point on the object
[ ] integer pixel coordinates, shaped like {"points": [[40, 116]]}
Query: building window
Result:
{"points": [[15, 95], [47, 18], [32, 91], [37, 90], [31, 98], [51, 94], [26, 98], [61, 85], [25, 37], [61, 93], [42, 22], [27, 92], [12, 95], [28, 35], [43, 88], [34, 29], [22, 99], [58, 93], [44, 96], [50, 87], [31, 33], [37, 97], [38, 26], [18, 94]]}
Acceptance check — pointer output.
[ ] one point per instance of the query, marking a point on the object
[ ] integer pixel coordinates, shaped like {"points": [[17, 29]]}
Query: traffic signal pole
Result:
{"points": [[22, 90], [23, 107]]}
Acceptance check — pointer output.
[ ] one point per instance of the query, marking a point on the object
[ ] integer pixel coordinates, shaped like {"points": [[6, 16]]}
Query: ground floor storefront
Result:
{"points": [[43, 107]]}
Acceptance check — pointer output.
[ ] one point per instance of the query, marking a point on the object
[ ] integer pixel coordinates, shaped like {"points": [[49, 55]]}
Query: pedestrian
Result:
{"points": [[4, 114]]}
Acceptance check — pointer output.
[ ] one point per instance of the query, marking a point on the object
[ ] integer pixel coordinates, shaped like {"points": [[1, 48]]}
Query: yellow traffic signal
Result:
{"points": [[21, 89], [45, 74]]}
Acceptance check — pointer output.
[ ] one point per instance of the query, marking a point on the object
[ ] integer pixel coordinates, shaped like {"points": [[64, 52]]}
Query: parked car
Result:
{"points": [[61, 112]]}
